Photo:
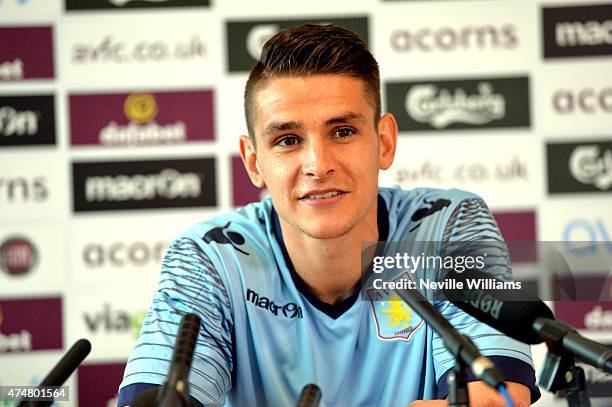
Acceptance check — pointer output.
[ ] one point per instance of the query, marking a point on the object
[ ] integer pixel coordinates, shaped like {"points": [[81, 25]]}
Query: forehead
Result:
{"points": [[310, 98]]}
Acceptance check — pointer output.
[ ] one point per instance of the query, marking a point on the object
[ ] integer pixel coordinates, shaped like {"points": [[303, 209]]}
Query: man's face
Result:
{"points": [[319, 152]]}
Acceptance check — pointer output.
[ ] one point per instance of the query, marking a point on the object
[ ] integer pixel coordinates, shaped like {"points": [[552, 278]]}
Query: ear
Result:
{"points": [[249, 159], [387, 134]]}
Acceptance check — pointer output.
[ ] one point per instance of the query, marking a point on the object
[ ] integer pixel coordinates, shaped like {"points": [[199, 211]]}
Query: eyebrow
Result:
{"points": [[348, 117], [282, 126]]}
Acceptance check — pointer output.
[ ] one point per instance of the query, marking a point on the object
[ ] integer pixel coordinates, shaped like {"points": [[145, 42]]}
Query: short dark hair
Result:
{"points": [[313, 49]]}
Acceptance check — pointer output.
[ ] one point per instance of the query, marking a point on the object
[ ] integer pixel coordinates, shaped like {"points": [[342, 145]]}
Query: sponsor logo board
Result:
{"points": [[517, 225], [31, 257], [30, 324], [587, 229], [17, 256], [575, 219], [577, 31], [119, 4], [593, 315], [575, 103], [180, 54], [27, 120], [579, 167], [100, 257], [518, 229], [180, 183], [587, 100], [460, 104], [505, 171], [32, 186], [226, 105], [26, 53], [30, 7], [243, 190], [246, 38], [416, 39], [98, 383], [141, 118], [587, 315], [111, 319]]}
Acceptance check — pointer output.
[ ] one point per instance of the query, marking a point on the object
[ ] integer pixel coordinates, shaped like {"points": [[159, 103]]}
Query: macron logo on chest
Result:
{"points": [[289, 310]]}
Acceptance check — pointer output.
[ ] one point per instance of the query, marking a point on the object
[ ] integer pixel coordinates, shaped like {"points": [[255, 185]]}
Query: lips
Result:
{"points": [[321, 194]]}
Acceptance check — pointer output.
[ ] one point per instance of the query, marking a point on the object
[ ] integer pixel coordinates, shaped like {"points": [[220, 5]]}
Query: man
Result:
{"points": [[276, 283]]}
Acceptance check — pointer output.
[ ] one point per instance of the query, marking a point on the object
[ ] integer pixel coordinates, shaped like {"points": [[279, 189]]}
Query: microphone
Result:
{"points": [[62, 370], [496, 308], [460, 346], [533, 316], [589, 351], [310, 396], [175, 391]]}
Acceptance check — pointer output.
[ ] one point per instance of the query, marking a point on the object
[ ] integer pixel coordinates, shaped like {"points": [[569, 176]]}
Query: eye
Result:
{"points": [[345, 132], [287, 141]]}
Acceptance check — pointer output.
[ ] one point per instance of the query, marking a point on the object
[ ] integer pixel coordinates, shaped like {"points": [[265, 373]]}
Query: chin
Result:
{"points": [[325, 231]]}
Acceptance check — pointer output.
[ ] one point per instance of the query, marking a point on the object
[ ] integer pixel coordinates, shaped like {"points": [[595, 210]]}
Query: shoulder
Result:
{"points": [[402, 199], [244, 230], [253, 219], [234, 247], [423, 213]]}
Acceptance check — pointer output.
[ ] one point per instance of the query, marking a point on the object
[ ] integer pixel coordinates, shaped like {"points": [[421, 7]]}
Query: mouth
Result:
{"points": [[322, 195]]}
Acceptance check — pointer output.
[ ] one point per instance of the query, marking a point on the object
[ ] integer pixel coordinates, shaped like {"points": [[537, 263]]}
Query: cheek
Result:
{"points": [[278, 175]]}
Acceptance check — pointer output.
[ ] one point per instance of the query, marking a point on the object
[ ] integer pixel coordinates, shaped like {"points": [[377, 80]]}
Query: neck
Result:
{"points": [[330, 268]]}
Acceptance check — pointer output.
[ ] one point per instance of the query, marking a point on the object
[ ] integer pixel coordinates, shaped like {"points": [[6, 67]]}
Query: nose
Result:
{"points": [[317, 160]]}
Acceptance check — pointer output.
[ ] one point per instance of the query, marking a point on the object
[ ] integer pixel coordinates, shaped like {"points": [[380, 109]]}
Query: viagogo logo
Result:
{"points": [[289, 310], [110, 320]]}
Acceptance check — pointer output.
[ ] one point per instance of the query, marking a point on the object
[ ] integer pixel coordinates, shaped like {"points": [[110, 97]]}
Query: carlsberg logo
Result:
{"points": [[588, 166], [168, 184], [441, 107]]}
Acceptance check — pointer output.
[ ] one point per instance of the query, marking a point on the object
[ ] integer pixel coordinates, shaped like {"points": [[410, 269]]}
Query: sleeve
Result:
{"points": [[471, 230], [188, 284]]}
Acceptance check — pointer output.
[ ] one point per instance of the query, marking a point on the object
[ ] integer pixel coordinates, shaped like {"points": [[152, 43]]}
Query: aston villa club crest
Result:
{"points": [[394, 319]]}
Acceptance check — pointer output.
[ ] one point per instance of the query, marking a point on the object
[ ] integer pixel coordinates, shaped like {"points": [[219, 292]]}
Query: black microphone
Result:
{"points": [[62, 370], [527, 320], [503, 309], [589, 351], [310, 396], [460, 346], [176, 392]]}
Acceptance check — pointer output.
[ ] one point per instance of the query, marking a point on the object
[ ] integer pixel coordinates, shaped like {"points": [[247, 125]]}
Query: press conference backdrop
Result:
{"points": [[119, 125]]}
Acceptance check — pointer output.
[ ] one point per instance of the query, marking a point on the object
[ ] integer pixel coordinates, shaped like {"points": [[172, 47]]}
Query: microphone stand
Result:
{"points": [[455, 342], [560, 372], [457, 385]]}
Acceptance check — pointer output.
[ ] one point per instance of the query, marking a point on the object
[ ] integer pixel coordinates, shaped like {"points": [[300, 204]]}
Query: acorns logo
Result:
{"points": [[140, 107]]}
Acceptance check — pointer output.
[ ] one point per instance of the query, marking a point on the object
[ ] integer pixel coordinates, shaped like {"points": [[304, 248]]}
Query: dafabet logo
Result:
{"points": [[29, 324], [19, 62], [141, 118]]}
